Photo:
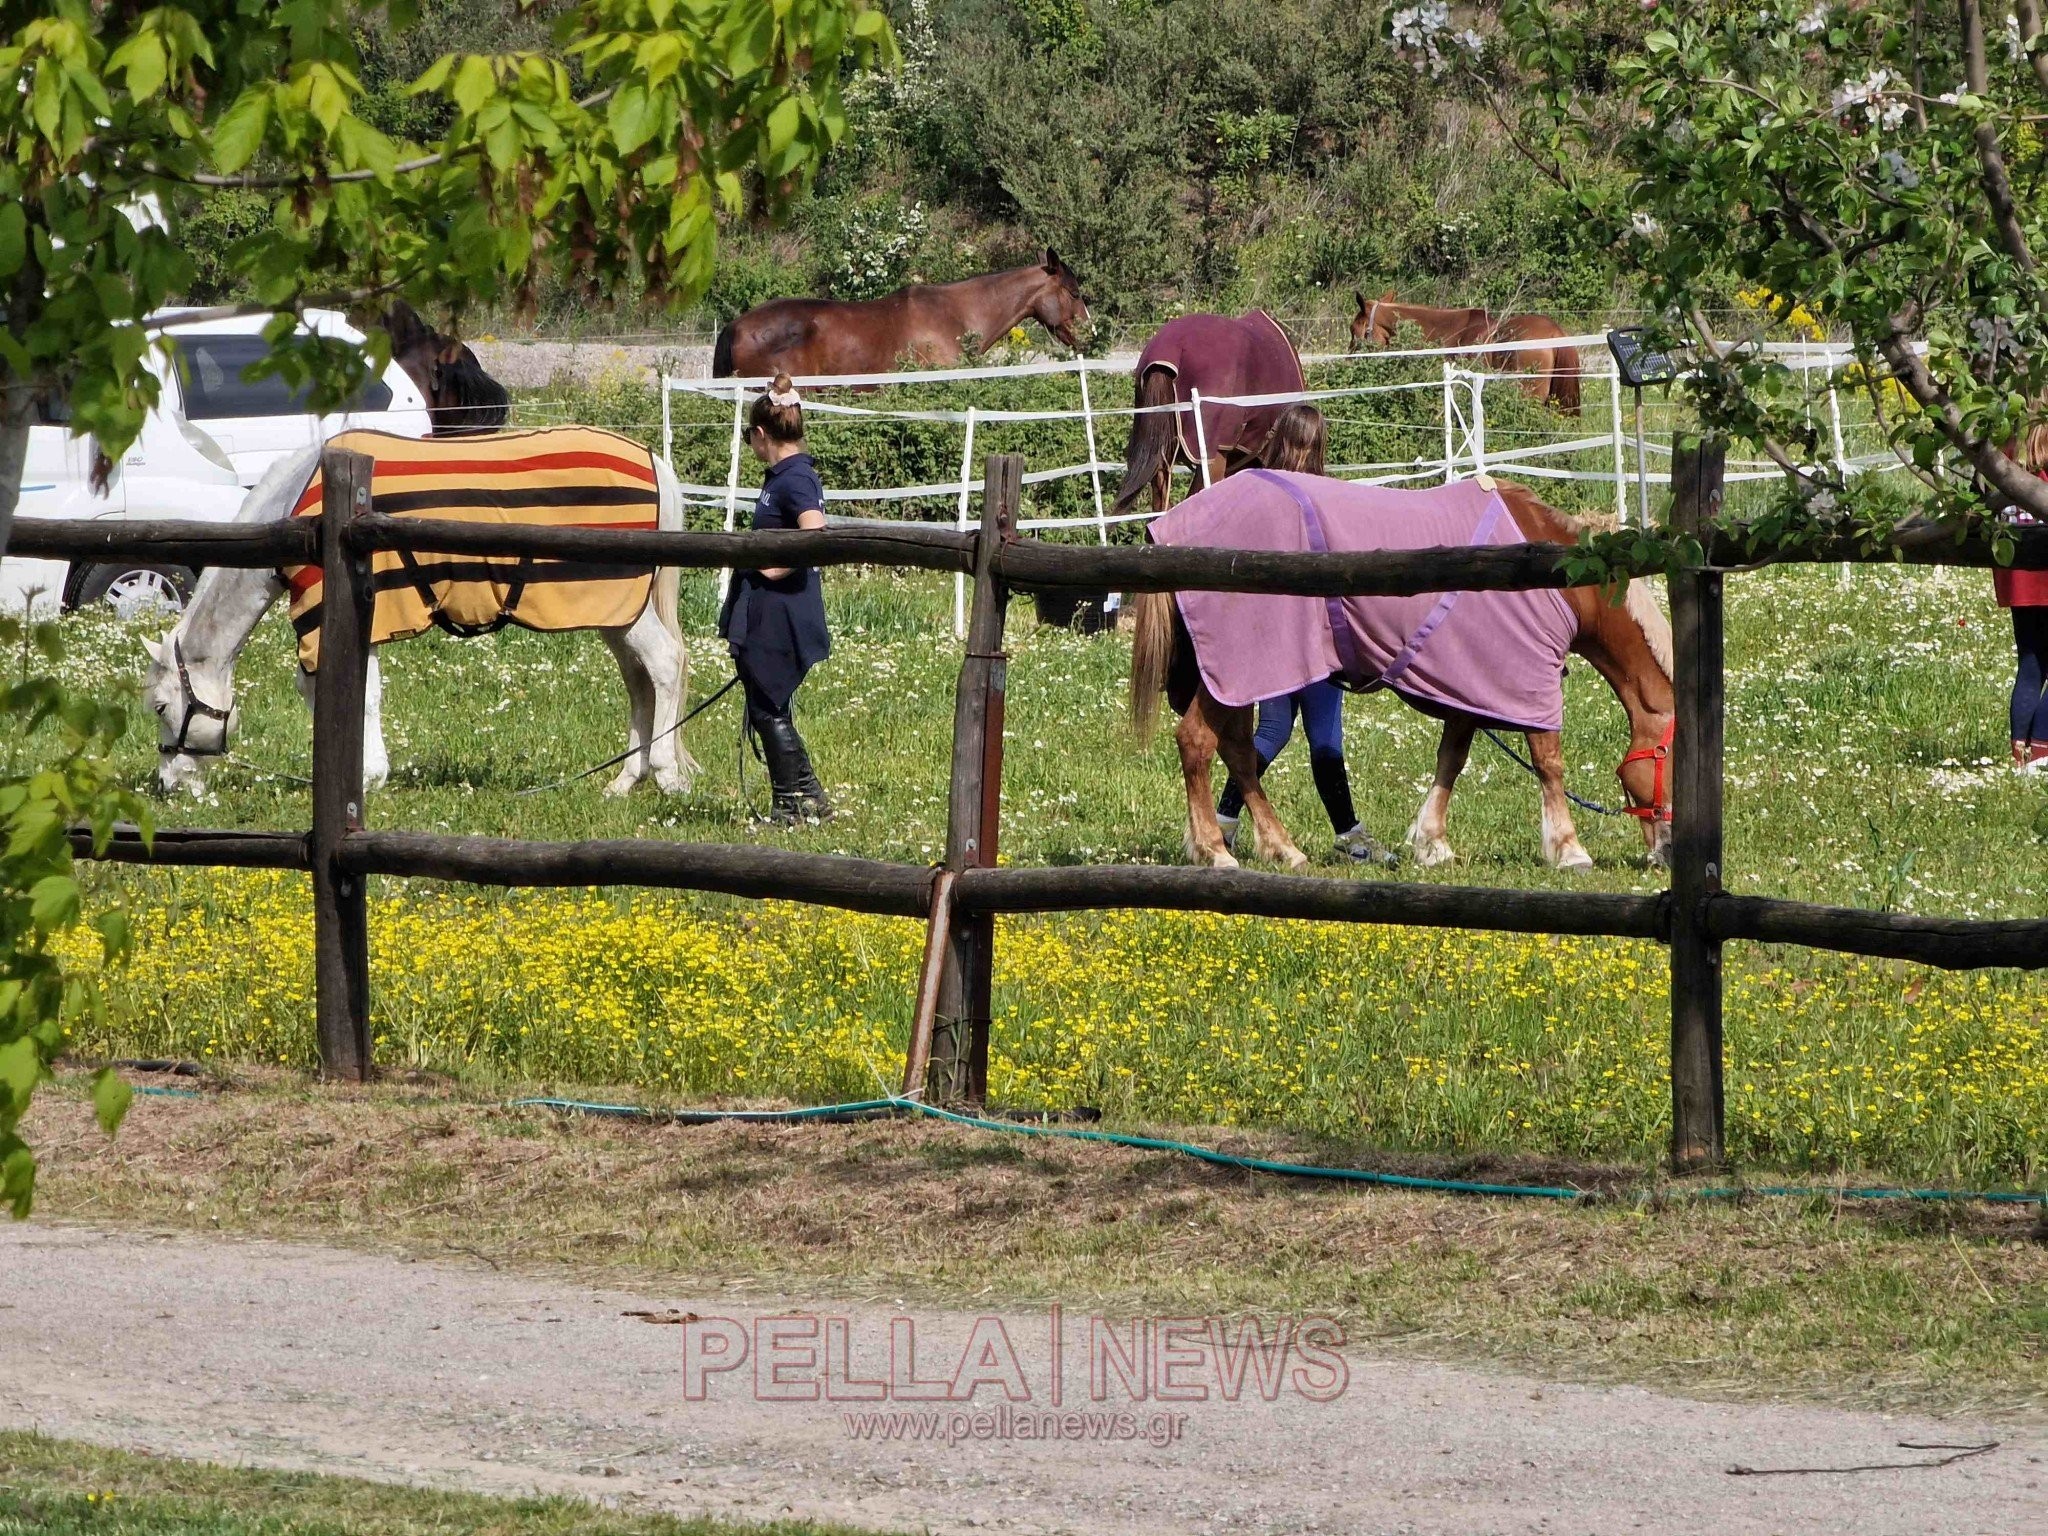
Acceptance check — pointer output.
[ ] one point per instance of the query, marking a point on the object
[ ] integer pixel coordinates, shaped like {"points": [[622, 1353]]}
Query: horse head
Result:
{"points": [[1373, 325], [1059, 306], [194, 705], [460, 396]]}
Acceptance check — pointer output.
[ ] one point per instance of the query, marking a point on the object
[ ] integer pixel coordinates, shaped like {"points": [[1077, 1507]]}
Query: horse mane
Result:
{"points": [[1656, 628]]}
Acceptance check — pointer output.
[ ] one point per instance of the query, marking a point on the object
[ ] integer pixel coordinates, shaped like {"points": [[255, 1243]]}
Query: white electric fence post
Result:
{"points": [[1450, 430], [1620, 450], [732, 479], [1841, 453], [960, 517], [1094, 466], [668, 427], [1478, 433], [1201, 434]]}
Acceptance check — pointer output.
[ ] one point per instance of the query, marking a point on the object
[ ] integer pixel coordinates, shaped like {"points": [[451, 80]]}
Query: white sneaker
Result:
{"points": [[1229, 826], [1357, 844]]}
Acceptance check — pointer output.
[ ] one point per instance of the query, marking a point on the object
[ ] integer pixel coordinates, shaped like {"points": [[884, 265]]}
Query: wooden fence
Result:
{"points": [[961, 899]]}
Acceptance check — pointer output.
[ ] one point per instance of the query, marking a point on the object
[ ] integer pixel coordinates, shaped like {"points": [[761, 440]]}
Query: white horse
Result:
{"points": [[190, 684]]}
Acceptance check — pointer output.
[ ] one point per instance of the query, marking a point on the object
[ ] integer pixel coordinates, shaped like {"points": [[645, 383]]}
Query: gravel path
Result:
{"points": [[452, 1374]]}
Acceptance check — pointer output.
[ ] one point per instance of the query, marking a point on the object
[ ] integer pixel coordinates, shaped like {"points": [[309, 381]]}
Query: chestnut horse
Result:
{"points": [[460, 396], [1223, 356], [1553, 371], [1628, 644], [927, 323]]}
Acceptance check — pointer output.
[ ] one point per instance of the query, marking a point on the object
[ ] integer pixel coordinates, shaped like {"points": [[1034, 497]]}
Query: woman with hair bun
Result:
{"points": [[774, 619]]}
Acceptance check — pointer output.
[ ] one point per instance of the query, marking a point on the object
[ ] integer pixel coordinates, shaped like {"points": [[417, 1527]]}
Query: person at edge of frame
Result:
{"points": [[773, 620], [2025, 594], [1300, 443]]}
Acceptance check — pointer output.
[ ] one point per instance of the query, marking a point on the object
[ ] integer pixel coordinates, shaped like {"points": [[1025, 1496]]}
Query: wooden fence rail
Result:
{"points": [[960, 900]]}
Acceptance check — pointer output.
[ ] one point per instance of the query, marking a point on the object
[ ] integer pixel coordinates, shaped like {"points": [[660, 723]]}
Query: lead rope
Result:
{"points": [[612, 762], [1579, 800]]}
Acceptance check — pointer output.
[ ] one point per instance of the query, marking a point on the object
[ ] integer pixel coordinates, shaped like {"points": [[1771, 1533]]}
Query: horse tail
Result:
{"points": [[1151, 658], [1564, 380], [1155, 438], [721, 352]]}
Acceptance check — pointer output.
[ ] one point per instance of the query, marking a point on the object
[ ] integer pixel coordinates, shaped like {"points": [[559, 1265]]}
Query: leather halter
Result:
{"points": [[1372, 316], [1657, 809], [195, 708]]}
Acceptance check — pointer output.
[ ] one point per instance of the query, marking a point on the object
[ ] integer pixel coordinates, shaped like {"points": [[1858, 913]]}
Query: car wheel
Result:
{"points": [[134, 590]]}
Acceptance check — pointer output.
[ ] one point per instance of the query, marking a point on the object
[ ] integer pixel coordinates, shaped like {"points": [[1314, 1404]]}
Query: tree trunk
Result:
{"points": [[13, 455]]}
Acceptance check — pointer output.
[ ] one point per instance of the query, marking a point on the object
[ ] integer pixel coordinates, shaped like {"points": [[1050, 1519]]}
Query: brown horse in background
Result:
{"points": [[460, 396], [1222, 356], [1627, 643], [926, 323], [1553, 372]]}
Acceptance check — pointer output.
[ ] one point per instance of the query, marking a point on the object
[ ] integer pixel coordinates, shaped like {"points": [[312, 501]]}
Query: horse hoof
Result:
{"points": [[622, 786], [1223, 858], [1294, 858], [672, 783], [1573, 857], [1433, 852]]}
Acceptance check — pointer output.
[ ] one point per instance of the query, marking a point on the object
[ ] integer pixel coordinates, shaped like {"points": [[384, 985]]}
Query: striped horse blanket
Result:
{"points": [[555, 477], [1497, 655]]}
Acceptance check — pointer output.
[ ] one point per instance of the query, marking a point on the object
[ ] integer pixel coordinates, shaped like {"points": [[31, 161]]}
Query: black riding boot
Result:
{"points": [[796, 793]]}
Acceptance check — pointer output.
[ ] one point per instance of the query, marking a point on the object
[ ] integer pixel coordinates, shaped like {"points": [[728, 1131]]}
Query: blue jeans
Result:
{"points": [[1321, 708], [2029, 684]]}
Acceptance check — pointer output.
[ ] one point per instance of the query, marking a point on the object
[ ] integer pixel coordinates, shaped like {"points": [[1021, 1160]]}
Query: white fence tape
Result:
{"points": [[1466, 449]]}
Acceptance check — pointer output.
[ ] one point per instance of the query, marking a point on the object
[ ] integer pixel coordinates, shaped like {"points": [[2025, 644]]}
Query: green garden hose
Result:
{"points": [[867, 1109]]}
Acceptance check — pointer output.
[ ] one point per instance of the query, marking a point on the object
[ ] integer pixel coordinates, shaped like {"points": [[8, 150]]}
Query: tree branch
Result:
{"points": [[1997, 184], [2018, 486], [1771, 446]]}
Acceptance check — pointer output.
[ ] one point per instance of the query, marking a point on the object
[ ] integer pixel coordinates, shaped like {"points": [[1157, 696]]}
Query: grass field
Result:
{"points": [[1865, 766], [63, 1488]]}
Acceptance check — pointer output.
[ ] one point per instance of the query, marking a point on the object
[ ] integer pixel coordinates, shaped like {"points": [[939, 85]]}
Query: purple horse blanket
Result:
{"points": [[1221, 355], [1497, 655]]}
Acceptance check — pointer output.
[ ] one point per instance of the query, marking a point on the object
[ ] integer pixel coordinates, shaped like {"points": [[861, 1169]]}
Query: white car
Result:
{"points": [[211, 436]]}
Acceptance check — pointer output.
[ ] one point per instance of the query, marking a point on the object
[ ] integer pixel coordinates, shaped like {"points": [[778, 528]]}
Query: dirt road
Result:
{"points": [[458, 1375]]}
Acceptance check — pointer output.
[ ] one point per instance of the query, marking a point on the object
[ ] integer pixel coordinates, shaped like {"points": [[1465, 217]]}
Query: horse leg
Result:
{"points": [[658, 656], [1561, 846], [1240, 756], [1197, 739], [1427, 834], [376, 760], [640, 700]]}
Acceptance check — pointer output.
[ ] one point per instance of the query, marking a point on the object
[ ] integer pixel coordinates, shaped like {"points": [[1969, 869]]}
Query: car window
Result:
{"points": [[211, 370]]}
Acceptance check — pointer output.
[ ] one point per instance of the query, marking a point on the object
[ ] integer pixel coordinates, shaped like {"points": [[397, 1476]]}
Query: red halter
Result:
{"points": [[1656, 810]]}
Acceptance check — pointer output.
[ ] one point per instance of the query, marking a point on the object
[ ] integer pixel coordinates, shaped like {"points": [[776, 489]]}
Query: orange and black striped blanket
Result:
{"points": [[554, 476]]}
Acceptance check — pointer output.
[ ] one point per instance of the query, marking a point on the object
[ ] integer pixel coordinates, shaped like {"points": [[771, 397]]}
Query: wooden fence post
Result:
{"points": [[341, 928], [958, 1071], [1696, 868]]}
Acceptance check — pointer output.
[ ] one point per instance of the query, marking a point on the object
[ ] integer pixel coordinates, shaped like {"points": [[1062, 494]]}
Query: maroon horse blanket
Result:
{"points": [[1222, 355], [1497, 655]]}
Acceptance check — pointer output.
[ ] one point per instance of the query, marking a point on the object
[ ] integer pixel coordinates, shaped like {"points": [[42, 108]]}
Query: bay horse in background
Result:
{"points": [[1469, 659], [1222, 356], [460, 396], [1553, 371], [928, 324]]}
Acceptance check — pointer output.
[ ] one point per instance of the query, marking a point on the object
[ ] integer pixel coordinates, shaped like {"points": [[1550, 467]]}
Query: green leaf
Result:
{"points": [[13, 238], [53, 902], [17, 1178], [142, 58], [110, 1099], [475, 83], [21, 1068], [115, 938], [783, 123], [239, 133]]}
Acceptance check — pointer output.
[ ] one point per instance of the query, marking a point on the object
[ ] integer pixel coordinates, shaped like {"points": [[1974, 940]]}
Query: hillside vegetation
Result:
{"points": [[1178, 153]]}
